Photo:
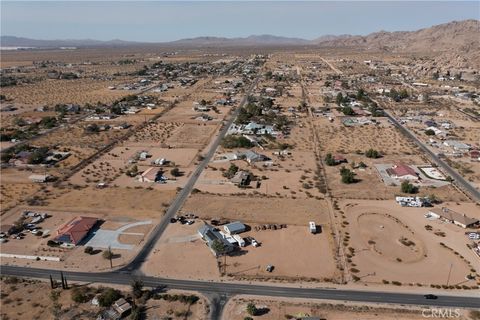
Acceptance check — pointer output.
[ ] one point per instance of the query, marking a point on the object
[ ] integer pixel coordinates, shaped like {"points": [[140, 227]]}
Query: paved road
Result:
{"points": [[157, 232], [459, 180], [228, 289]]}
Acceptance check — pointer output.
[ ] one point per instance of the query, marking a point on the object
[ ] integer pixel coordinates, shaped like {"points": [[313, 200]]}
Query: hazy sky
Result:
{"points": [[165, 21]]}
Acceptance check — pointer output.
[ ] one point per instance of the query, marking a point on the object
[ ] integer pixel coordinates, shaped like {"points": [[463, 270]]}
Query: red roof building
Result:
{"points": [[75, 230], [402, 171]]}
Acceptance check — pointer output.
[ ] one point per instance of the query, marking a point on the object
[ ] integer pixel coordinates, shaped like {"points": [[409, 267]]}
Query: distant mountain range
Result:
{"points": [[463, 35]]}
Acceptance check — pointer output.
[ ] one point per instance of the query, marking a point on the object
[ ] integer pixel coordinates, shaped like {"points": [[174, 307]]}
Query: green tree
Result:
{"points": [[231, 171], [88, 250], [80, 294], [175, 172], [360, 94], [407, 187], [339, 98], [108, 297], [38, 155], [347, 175], [329, 160], [372, 153], [218, 247], [348, 111], [429, 132], [252, 309]]}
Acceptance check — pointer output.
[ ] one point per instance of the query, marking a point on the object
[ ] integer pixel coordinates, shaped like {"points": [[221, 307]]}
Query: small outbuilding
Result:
{"points": [[234, 227]]}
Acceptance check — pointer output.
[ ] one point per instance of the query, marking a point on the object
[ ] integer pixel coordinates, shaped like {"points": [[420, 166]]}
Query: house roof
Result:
{"points": [[401, 170], [240, 176], [150, 173], [76, 229], [454, 216]]}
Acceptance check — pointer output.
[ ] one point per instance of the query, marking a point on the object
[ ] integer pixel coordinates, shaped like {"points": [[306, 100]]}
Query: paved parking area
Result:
{"points": [[109, 238]]}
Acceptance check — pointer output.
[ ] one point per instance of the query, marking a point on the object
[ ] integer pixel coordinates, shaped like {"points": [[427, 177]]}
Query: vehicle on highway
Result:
{"points": [[430, 296]]}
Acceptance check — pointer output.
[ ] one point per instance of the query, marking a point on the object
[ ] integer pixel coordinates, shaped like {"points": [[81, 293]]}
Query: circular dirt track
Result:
{"points": [[389, 238]]}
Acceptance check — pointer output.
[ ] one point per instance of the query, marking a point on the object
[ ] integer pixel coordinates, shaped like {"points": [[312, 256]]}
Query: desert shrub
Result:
{"points": [[108, 296]]}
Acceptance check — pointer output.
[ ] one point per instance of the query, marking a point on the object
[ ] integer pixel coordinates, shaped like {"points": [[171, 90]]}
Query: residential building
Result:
{"points": [[403, 172], [454, 217], [209, 234], [76, 230], [241, 178]]}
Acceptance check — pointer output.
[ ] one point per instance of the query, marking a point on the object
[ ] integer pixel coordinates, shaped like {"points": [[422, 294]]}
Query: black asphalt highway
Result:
{"points": [[157, 232], [230, 289], [458, 179]]}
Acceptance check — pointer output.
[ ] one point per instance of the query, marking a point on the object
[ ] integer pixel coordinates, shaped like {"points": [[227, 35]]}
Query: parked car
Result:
{"points": [[173, 220], [255, 243], [189, 222], [269, 268], [473, 236]]}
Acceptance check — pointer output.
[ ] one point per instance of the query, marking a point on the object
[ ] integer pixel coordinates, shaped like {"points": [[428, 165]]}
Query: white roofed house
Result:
{"points": [[252, 156], [457, 145]]}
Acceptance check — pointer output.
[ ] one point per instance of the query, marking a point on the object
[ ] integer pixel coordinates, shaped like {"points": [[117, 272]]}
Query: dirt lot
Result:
{"points": [[292, 176], [258, 209], [182, 254], [133, 202], [391, 243], [279, 308], [51, 92]]}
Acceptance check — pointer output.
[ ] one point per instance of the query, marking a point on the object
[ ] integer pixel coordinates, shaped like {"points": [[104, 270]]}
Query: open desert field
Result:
{"points": [[52, 92], [258, 209], [337, 138], [133, 202], [392, 243]]}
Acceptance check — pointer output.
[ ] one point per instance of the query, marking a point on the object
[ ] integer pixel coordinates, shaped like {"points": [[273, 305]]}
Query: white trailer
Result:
{"points": [[312, 227], [239, 240]]}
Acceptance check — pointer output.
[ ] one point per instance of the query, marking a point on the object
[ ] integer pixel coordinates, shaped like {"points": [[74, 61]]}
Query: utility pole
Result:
{"points": [[110, 257]]}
